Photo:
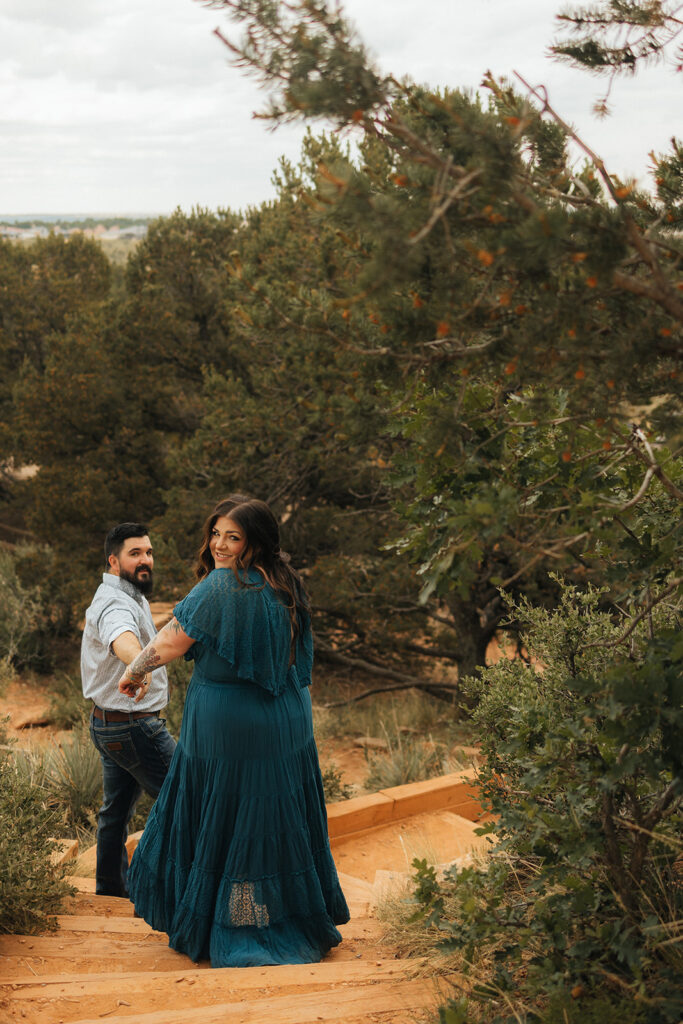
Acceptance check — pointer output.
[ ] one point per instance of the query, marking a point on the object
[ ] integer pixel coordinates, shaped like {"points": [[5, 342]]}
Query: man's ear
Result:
{"points": [[114, 563]]}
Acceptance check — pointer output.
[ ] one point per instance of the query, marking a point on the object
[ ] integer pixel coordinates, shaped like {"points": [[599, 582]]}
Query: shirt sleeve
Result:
{"points": [[116, 618]]}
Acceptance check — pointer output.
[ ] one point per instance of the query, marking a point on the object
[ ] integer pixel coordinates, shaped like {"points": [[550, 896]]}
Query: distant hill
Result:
{"points": [[68, 220]]}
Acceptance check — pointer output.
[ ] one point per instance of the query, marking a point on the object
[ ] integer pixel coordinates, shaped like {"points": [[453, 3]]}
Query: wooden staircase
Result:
{"points": [[104, 964]]}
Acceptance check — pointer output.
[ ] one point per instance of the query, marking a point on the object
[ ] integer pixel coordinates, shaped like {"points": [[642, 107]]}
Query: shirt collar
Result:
{"points": [[126, 586]]}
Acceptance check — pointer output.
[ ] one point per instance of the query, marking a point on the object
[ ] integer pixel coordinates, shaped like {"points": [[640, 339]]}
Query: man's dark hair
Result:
{"points": [[118, 535]]}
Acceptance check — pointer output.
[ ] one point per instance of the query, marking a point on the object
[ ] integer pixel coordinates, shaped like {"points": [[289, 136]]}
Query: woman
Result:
{"points": [[234, 863]]}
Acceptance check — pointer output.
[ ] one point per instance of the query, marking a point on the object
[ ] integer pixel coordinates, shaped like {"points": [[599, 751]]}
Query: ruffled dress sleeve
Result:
{"points": [[248, 625]]}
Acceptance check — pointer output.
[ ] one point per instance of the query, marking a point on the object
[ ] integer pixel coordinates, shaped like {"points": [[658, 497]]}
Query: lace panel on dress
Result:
{"points": [[244, 910]]}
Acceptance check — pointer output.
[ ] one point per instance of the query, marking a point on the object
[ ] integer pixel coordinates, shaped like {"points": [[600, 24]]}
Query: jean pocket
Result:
{"points": [[151, 727], [117, 744]]}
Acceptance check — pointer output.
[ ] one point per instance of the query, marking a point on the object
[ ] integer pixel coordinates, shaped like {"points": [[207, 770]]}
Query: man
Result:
{"points": [[133, 743]]}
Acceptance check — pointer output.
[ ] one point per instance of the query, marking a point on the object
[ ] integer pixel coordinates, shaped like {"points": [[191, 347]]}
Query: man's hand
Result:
{"points": [[131, 688], [127, 647]]}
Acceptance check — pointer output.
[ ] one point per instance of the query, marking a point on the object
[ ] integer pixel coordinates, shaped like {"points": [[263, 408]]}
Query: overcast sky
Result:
{"points": [[131, 106]]}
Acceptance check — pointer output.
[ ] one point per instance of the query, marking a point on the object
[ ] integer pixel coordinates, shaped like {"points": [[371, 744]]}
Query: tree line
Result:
{"points": [[450, 360]]}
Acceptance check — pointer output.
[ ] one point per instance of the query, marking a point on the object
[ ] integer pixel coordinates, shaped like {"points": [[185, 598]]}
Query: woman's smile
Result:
{"points": [[227, 542]]}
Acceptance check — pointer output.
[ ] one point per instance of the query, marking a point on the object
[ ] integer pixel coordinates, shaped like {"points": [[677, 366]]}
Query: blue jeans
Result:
{"points": [[135, 755]]}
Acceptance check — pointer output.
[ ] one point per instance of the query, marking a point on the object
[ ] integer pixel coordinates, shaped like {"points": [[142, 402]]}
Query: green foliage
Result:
{"points": [[615, 36], [179, 673], [31, 888], [334, 786], [407, 759], [69, 776], [67, 706], [23, 615], [507, 309], [41, 286], [74, 778], [584, 776], [312, 48]]}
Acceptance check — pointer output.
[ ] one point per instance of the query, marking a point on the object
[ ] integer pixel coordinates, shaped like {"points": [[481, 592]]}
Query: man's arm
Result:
{"points": [[126, 647]]}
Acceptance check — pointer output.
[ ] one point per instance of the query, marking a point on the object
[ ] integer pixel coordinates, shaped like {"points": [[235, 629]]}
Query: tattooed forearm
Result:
{"points": [[146, 661]]}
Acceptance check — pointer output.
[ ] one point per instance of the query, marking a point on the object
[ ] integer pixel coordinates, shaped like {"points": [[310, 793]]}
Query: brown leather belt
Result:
{"points": [[121, 716]]}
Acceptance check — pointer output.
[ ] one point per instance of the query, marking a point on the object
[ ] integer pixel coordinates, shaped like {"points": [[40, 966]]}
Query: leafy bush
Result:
{"points": [[67, 705], [22, 618], [584, 773], [334, 786], [179, 673], [31, 887]]}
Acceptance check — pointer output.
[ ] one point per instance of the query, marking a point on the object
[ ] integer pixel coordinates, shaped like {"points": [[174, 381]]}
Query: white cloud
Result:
{"points": [[133, 106]]}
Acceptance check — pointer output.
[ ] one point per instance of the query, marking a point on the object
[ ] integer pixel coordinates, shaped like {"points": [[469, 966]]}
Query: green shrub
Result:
{"points": [[69, 777], [22, 618], [74, 778], [179, 673], [334, 786], [31, 888], [68, 707], [584, 774], [407, 759]]}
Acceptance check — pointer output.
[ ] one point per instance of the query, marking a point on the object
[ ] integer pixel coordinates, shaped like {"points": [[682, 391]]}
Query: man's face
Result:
{"points": [[135, 563]]}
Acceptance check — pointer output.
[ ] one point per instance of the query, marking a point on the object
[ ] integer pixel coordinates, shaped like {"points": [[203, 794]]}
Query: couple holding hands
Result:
{"points": [[234, 863]]}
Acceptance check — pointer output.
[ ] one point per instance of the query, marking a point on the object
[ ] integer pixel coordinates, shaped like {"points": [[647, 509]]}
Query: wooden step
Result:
{"points": [[456, 791], [95, 950], [63, 850], [343, 1004], [112, 924], [53, 998], [357, 891], [86, 903]]}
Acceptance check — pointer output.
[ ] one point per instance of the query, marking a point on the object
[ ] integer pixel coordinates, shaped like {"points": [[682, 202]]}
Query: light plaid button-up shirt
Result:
{"points": [[117, 607]]}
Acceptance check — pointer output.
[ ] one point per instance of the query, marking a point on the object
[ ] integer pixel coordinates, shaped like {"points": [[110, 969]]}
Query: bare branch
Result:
{"points": [[438, 213], [639, 618], [405, 681], [387, 689]]}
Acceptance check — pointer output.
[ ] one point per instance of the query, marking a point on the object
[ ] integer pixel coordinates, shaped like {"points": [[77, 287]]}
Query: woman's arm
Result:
{"points": [[170, 642]]}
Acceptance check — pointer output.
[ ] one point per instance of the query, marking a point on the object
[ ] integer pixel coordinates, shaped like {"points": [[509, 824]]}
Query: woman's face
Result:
{"points": [[227, 542]]}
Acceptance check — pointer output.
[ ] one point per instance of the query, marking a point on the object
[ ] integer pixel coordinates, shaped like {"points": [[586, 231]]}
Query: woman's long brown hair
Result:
{"points": [[262, 551]]}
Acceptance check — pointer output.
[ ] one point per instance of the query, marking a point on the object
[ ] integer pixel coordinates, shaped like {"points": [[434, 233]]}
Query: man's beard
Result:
{"points": [[145, 586]]}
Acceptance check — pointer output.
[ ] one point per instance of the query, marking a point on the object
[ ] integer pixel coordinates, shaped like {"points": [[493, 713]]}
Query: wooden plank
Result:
{"points": [[358, 813], [101, 906], [357, 1001], [150, 951], [450, 792], [356, 888], [214, 980], [455, 792], [106, 925], [83, 884]]}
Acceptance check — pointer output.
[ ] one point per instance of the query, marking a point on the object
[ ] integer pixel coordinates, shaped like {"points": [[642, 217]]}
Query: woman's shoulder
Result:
{"points": [[247, 583]]}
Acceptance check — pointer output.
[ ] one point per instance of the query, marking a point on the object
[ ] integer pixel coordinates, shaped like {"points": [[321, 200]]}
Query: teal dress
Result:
{"points": [[234, 862]]}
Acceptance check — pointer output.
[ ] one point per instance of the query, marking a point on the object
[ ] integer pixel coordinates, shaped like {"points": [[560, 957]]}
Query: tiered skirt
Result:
{"points": [[234, 863]]}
